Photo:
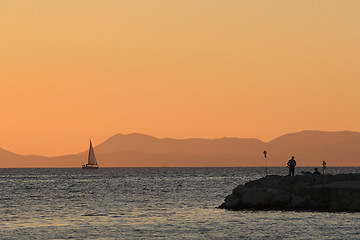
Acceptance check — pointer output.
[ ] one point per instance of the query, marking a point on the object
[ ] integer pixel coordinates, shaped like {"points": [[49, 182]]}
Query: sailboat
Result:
{"points": [[92, 163]]}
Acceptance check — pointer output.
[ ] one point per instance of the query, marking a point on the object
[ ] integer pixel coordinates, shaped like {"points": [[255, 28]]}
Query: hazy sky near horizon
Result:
{"points": [[70, 70]]}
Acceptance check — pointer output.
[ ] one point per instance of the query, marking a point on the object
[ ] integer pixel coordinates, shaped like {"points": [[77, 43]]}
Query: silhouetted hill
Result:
{"points": [[310, 148], [144, 143], [309, 138], [9, 159]]}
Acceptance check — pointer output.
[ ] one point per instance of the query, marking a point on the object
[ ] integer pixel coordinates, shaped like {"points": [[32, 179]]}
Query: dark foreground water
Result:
{"points": [[149, 203]]}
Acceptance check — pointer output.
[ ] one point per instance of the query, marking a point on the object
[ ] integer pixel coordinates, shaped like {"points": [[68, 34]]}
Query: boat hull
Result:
{"points": [[87, 166]]}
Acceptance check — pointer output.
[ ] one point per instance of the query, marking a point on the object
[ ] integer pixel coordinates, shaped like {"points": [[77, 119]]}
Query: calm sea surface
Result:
{"points": [[149, 203]]}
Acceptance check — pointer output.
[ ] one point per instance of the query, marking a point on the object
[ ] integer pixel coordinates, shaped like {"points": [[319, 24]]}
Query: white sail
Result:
{"points": [[91, 157]]}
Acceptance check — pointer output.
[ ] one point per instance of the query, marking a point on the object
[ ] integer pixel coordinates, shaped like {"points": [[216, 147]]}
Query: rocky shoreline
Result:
{"points": [[314, 192]]}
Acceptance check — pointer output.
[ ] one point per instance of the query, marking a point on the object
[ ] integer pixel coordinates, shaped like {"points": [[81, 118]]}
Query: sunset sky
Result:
{"points": [[74, 70]]}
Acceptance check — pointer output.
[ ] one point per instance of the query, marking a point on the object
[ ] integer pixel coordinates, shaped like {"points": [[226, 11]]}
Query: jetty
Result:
{"points": [[314, 192]]}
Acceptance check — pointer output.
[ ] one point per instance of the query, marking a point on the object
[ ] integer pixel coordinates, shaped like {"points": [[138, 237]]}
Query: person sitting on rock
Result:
{"points": [[291, 164], [316, 171]]}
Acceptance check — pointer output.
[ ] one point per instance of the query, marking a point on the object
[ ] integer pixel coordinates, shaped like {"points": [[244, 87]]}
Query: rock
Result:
{"points": [[302, 192], [231, 201], [255, 197], [279, 197]]}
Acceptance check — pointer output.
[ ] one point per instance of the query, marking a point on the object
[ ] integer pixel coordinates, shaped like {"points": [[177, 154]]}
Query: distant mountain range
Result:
{"points": [[310, 148]]}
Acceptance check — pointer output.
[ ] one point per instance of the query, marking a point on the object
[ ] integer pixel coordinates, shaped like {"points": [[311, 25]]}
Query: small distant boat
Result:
{"points": [[92, 163]]}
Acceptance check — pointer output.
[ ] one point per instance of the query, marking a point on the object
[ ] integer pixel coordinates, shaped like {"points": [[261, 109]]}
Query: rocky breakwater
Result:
{"points": [[302, 192]]}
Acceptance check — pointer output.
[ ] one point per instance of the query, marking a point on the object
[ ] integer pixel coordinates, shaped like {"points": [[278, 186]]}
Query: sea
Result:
{"points": [[152, 203]]}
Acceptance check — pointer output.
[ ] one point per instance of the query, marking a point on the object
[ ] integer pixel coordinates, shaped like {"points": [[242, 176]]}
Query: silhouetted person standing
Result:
{"points": [[291, 164]]}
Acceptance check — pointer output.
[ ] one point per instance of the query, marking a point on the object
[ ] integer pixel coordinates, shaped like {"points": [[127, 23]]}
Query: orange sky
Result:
{"points": [[70, 70]]}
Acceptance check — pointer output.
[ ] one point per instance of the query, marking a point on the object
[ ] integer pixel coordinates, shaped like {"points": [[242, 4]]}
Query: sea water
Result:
{"points": [[152, 203]]}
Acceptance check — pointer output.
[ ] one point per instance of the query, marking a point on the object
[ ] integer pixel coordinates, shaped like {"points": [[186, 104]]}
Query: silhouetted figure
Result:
{"points": [[316, 171], [291, 164]]}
